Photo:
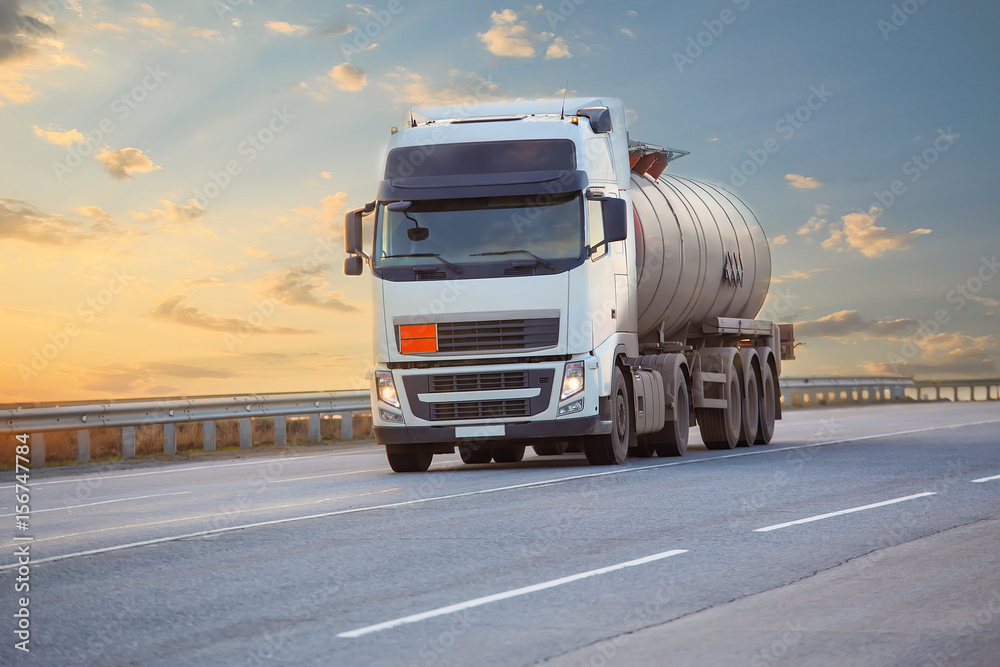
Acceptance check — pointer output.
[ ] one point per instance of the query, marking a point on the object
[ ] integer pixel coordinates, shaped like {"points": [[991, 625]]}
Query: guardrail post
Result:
{"points": [[346, 425], [170, 438], [208, 436], [83, 446], [314, 432], [246, 433], [280, 430], [37, 450], [128, 442]]}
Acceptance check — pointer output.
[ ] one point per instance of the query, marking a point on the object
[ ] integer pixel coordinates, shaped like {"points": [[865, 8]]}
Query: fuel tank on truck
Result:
{"points": [[700, 253]]}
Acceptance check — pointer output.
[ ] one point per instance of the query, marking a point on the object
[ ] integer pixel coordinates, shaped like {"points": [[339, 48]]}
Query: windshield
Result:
{"points": [[459, 231]]}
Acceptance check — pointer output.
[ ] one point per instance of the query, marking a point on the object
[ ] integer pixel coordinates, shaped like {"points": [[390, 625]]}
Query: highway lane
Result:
{"points": [[477, 552]]}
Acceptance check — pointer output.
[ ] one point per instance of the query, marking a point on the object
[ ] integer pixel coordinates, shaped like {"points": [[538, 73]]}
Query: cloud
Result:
{"points": [[129, 377], [802, 182], [330, 212], [286, 28], [628, 33], [509, 37], [942, 355], [464, 90], [28, 47], [797, 275], [21, 221], [204, 33], [816, 222], [348, 77], [66, 139], [113, 27], [298, 287], [779, 240], [558, 49], [124, 162], [325, 174], [175, 310], [18, 31], [172, 213], [859, 232], [848, 324]]}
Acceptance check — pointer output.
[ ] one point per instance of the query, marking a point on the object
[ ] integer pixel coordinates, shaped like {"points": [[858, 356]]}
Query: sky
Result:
{"points": [[175, 174]]}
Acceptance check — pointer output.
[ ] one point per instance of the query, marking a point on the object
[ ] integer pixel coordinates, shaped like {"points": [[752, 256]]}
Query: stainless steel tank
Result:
{"points": [[700, 253]]}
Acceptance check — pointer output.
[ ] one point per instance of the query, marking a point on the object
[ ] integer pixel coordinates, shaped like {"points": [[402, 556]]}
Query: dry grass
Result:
{"points": [[106, 443]]}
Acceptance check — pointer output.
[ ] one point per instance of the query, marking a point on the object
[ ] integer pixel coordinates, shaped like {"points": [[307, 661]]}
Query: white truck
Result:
{"points": [[538, 280]]}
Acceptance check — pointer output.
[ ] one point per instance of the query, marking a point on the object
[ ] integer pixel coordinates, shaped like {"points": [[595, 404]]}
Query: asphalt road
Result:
{"points": [[861, 535]]}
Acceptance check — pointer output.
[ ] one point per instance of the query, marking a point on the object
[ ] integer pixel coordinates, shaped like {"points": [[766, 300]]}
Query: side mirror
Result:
{"points": [[354, 266], [615, 214], [352, 232], [353, 239]]}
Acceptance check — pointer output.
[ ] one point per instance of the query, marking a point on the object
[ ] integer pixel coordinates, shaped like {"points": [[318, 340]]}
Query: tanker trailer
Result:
{"points": [[538, 280]]}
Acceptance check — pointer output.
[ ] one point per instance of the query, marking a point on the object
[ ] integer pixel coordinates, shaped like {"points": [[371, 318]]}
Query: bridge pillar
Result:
{"points": [[346, 426], [246, 433], [208, 436], [83, 446], [280, 430], [170, 438], [128, 442]]}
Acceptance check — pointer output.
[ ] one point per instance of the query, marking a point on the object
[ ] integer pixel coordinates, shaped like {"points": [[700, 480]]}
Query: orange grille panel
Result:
{"points": [[417, 338]]}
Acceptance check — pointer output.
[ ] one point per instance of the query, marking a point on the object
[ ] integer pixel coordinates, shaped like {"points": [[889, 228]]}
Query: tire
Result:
{"points": [[508, 454], [612, 448], [409, 461], [475, 454], [768, 406], [720, 427], [553, 448], [750, 414], [646, 447], [673, 439]]}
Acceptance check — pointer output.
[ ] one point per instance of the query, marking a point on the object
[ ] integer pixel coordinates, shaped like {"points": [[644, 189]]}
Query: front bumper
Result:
{"points": [[445, 435]]}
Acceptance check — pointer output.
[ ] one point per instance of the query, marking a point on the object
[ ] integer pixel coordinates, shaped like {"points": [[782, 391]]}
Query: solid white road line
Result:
{"points": [[109, 475], [105, 502], [526, 485], [828, 515], [332, 474], [477, 602], [986, 479]]}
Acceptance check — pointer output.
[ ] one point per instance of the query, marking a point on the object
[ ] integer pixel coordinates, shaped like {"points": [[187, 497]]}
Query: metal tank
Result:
{"points": [[700, 253]]}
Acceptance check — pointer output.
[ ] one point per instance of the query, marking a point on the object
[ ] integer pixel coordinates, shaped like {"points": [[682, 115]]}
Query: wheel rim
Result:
{"points": [[621, 421], [734, 404]]}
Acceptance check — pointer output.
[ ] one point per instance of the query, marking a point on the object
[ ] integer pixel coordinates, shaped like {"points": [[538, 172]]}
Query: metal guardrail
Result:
{"points": [[168, 412], [834, 390]]}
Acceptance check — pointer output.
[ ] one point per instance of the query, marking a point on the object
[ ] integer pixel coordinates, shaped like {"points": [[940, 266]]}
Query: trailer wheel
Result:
{"points": [[768, 406], [409, 461], [508, 454], [612, 448], [750, 400], [673, 439], [645, 449], [720, 427], [475, 454], [552, 448]]}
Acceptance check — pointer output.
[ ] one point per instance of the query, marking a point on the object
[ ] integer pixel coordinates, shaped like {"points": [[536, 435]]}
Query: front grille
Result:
{"points": [[497, 335], [479, 381], [479, 409]]}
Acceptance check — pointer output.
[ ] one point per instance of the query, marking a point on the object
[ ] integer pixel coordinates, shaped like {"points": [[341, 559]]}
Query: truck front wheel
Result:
{"points": [[612, 448], [409, 461]]}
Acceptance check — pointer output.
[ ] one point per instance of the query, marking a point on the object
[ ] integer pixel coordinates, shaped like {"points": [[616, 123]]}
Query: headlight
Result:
{"points": [[385, 388], [572, 380]]}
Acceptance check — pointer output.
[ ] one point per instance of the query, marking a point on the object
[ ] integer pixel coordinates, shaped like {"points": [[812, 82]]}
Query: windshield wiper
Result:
{"points": [[511, 252], [428, 254]]}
